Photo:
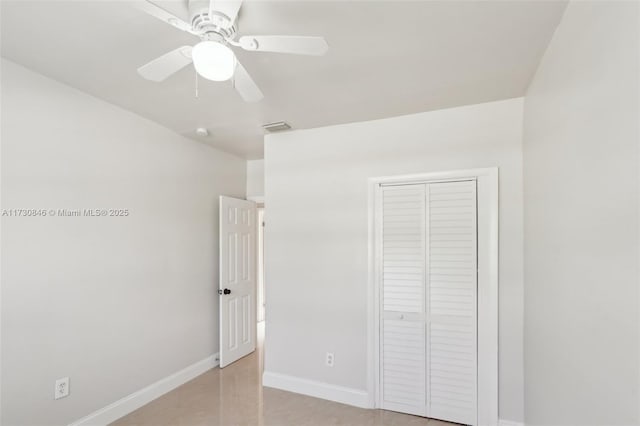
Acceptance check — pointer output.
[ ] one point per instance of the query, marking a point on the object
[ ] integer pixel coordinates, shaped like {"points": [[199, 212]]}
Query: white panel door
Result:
{"points": [[452, 301], [428, 324], [402, 328], [237, 279]]}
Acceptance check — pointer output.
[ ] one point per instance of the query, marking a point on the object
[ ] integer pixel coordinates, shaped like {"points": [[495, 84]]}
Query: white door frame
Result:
{"points": [[487, 192], [260, 288]]}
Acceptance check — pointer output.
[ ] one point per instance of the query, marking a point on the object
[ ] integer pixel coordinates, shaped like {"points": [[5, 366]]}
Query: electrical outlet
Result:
{"points": [[62, 388], [330, 359]]}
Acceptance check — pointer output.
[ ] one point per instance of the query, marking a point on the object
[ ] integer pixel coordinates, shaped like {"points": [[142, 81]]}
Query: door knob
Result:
{"points": [[225, 291]]}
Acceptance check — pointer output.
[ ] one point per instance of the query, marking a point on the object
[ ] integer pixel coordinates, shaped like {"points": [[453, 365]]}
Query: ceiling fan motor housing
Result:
{"points": [[210, 24]]}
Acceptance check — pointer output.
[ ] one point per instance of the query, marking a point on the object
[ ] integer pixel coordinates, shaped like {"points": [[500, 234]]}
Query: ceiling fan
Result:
{"points": [[215, 23]]}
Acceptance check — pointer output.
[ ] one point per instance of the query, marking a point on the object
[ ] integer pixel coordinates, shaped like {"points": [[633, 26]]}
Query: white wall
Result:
{"points": [[255, 178], [316, 237], [113, 303], [581, 221]]}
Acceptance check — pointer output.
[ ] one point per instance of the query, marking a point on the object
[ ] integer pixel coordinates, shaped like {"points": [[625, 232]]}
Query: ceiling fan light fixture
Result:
{"points": [[213, 60]]}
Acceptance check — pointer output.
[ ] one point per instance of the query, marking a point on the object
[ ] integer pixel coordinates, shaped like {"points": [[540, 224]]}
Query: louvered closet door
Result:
{"points": [[403, 333], [452, 312], [428, 354]]}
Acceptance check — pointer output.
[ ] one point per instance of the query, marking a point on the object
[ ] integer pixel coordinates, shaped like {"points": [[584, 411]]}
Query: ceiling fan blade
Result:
{"points": [[229, 8], [162, 14], [299, 45], [169, 63], [245, 86]]}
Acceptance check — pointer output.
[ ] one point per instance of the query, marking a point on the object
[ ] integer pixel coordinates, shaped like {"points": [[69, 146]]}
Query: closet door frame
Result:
{"points": [[487, 225]]}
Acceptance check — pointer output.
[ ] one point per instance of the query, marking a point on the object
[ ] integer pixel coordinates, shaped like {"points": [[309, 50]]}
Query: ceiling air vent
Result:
{"points": [[276, 127]]}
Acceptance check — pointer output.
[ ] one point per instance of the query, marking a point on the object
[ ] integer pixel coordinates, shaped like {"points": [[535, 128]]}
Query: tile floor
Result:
{"points": [[234, 396]]}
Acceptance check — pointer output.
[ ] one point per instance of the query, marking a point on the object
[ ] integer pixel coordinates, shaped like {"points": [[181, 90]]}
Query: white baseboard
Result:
{"points": [[132, 402], [509, 423], [355, 397]]}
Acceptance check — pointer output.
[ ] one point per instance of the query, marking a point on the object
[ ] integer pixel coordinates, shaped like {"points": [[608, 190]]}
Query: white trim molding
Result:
{"points": [[344, 395], [132, 402], [487, 193], [256, 198], [509, 423]]}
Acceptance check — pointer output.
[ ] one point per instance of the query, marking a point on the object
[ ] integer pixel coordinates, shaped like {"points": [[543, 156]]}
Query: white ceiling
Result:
{"points": [[386, 58]]}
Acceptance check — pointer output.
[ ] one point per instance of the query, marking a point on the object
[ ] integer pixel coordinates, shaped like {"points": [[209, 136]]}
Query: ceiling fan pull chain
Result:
{"points": [[196, 83]]}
